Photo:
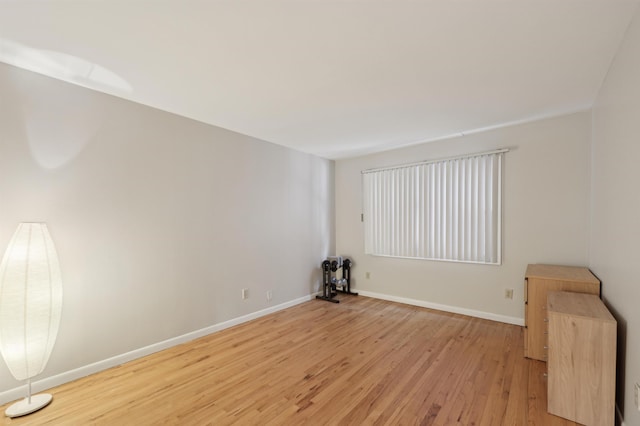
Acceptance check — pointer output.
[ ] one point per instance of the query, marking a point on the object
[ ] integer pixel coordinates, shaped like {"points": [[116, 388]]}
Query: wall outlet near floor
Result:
{"points": [[245, 293], [508, 293], [269, 295], [636, 388]]}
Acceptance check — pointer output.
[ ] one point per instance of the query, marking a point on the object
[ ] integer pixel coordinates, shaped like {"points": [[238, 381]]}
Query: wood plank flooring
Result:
{"points": [[360, 362]]}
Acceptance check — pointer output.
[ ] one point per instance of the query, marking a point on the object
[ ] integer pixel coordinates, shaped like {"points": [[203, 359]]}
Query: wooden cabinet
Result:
{"points": [[540, 279], [582, 359]]}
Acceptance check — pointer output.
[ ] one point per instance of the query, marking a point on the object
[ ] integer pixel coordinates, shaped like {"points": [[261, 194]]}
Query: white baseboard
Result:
{"points": [[445, 308], [69, 376]]}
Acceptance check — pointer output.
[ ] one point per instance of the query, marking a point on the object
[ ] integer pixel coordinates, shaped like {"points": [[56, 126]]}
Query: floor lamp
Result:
{"points": [[30, 309]]}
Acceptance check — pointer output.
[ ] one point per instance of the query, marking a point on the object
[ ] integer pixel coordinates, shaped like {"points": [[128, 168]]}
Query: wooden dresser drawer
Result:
{"points": [[581, 368], [539, 280]]}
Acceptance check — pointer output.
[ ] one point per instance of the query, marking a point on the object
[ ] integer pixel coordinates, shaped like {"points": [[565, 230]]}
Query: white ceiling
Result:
{"points": [[336, 78]]}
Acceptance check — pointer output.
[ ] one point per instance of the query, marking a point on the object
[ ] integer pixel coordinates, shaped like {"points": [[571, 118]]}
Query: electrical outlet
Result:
{"points": [[637, 390], [508, 293], [367, 275], [245, 293], [269, 295]]}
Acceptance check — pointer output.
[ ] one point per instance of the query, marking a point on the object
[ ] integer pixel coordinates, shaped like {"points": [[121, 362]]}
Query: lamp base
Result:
{"points": [[22, 408]]}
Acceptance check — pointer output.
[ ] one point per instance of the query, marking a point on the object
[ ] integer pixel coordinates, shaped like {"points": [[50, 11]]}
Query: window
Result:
{"points": [[441, 210]]}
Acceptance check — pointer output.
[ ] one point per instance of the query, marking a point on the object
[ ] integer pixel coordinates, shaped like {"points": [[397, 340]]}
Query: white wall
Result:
{"points": [[159, 221], [546, 200], [615, 225]]}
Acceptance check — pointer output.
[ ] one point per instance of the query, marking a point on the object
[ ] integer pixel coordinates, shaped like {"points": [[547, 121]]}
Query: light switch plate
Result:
{"points": [[637, 390]]}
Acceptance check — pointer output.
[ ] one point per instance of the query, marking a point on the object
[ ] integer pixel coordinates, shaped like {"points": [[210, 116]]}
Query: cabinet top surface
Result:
{"points": [[564, 273], [578, 304]]}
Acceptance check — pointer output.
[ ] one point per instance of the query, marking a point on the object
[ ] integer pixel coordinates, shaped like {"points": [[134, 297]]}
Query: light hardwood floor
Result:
{"points": [[360, 362]]}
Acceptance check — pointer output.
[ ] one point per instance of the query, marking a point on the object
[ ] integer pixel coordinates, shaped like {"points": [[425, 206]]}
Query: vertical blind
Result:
{"points": [[440, 210]]}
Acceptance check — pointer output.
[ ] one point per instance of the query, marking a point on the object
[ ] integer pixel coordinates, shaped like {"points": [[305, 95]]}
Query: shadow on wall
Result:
{"points": [[56, 124], [315, 279], [58, 133]]}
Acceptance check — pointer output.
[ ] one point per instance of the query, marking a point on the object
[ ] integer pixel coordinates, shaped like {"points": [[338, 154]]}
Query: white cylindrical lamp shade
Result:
{"points": [[30, 300]]}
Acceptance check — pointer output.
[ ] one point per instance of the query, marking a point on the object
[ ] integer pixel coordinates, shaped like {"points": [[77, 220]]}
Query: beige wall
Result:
{"points": [[159, 221], [546, 200], [615, 228]]}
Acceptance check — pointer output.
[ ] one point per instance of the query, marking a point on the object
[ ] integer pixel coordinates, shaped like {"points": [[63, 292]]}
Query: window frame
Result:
{"points": [[399, 193]]}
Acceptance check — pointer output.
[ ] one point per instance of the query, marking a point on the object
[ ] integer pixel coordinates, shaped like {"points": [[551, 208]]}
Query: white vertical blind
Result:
{"points": [[441, 210]]}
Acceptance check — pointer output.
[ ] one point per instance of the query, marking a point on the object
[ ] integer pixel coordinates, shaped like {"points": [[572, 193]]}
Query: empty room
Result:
{"points": [[285, 212]]}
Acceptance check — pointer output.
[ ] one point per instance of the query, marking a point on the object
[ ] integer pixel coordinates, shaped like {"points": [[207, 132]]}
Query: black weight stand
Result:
{"points": [[330, 283]]}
